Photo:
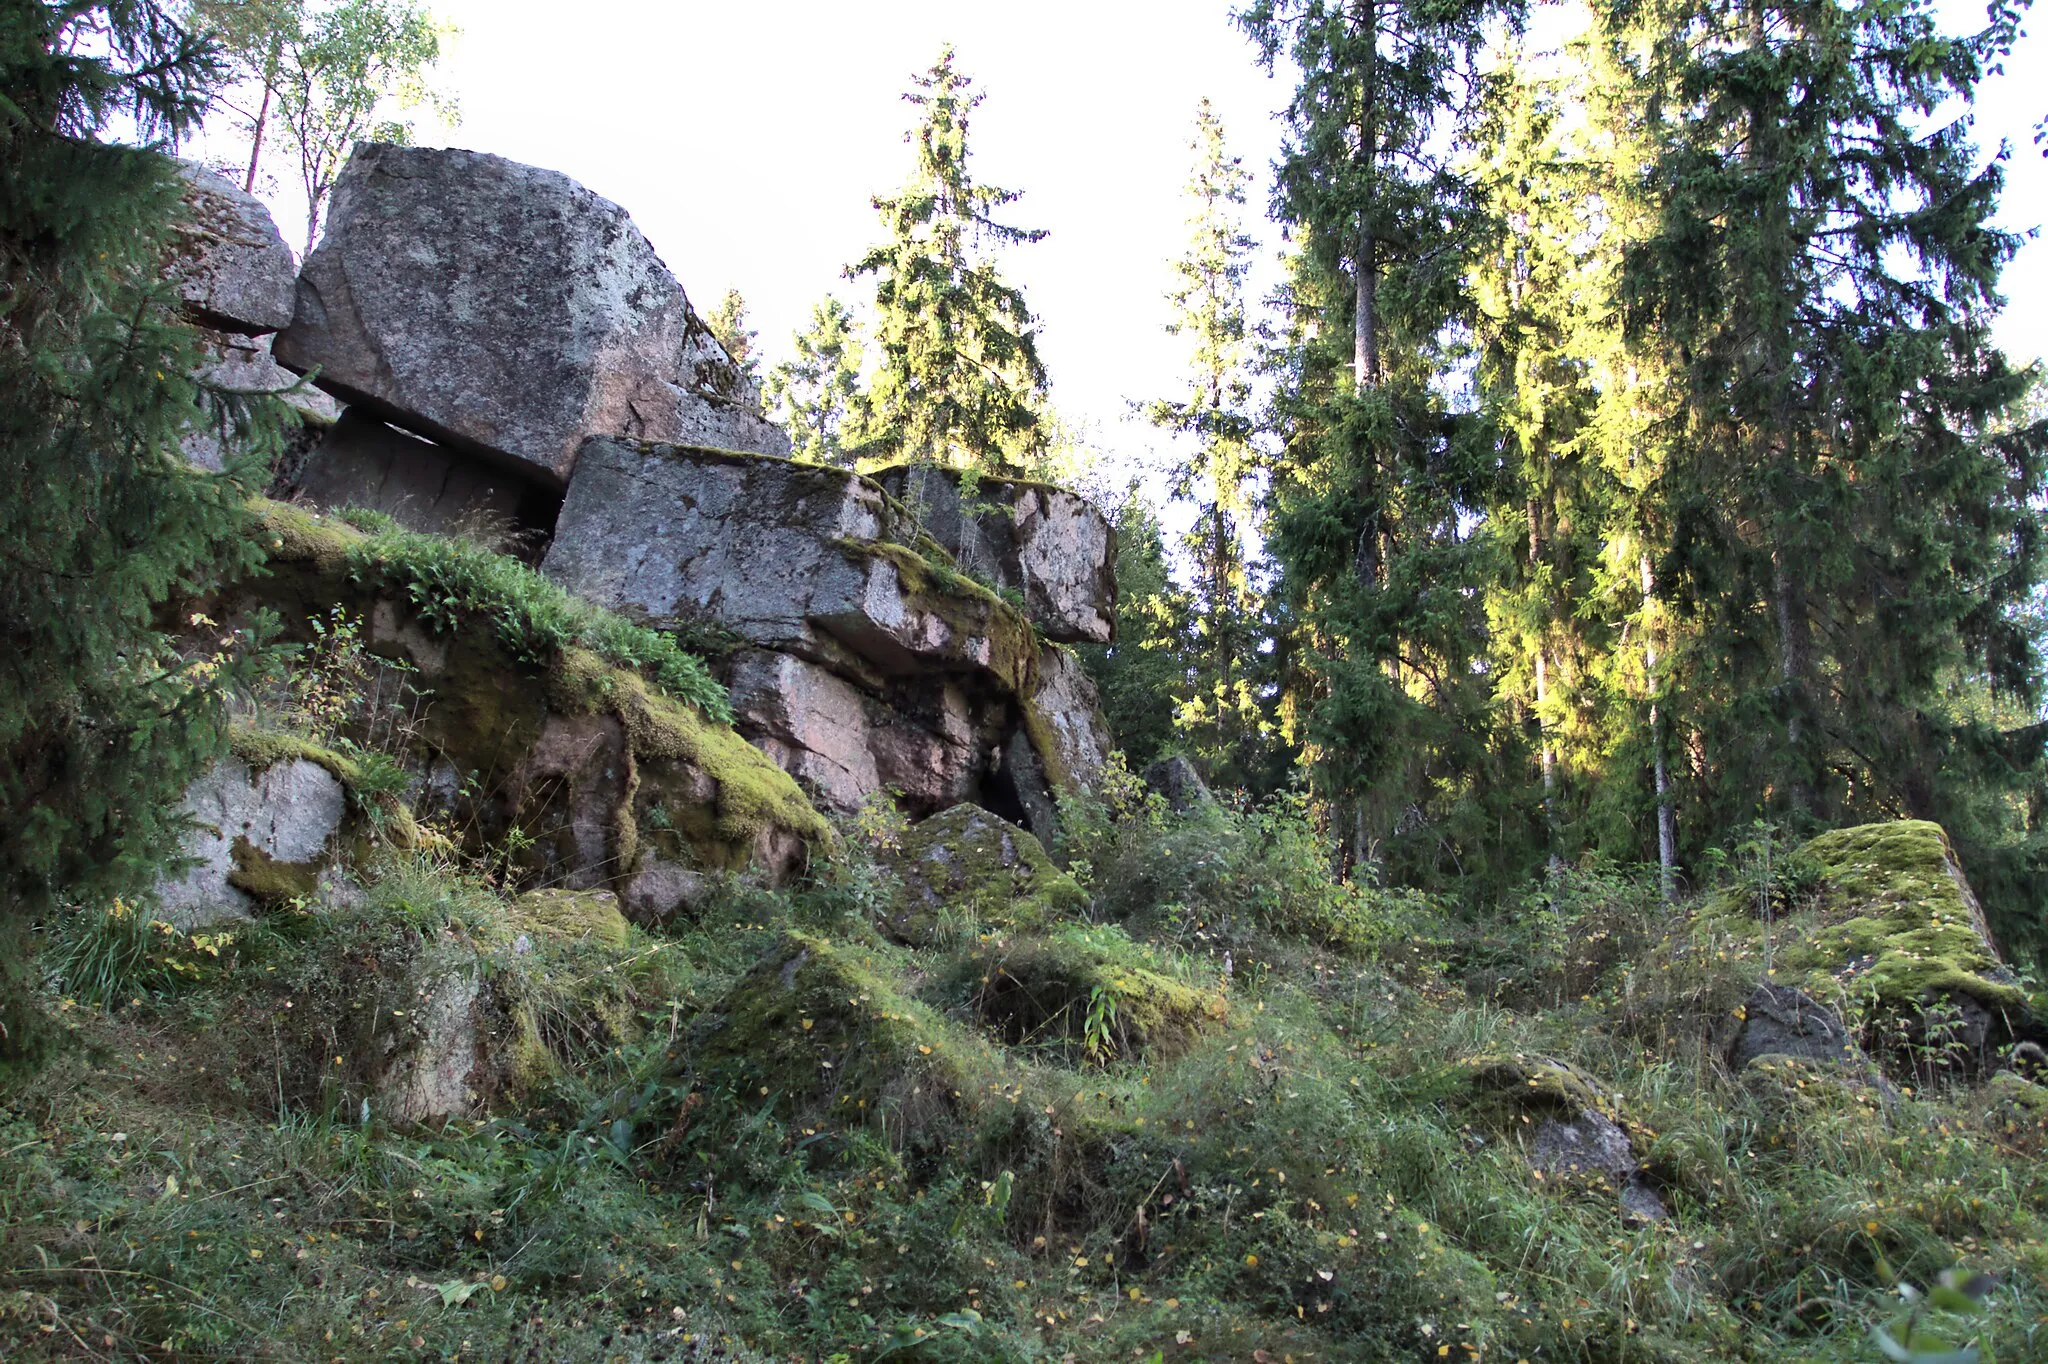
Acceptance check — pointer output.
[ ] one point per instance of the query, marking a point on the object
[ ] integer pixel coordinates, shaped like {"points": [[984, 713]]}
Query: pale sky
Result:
{"points": [[747, 139]]}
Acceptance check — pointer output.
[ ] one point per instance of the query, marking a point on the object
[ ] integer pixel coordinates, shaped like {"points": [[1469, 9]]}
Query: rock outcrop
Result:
{"points": [[871, 662], [1045, 544], [507, 313]]}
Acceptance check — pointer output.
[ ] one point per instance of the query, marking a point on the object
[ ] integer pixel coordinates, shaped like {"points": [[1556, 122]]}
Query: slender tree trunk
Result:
{"points": [[1365, 357], [1795, 649], [263, 111], [1547, 753], [1667, 820]]}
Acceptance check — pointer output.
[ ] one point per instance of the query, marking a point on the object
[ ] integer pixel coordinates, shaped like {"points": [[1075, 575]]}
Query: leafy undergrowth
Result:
{"points": [[793, 1137]]}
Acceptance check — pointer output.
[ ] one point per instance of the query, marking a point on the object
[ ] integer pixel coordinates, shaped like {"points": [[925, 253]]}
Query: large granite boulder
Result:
{"points": [[233, 270], [508, 313], [871, 664], [1046, 544], [796, 558]]}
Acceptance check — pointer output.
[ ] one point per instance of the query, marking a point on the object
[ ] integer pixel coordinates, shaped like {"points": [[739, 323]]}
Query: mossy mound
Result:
{"points": [[1894, 919], [1087, 993], [574, 916], [822, 1031], [1542, 1083], [965, 870]]}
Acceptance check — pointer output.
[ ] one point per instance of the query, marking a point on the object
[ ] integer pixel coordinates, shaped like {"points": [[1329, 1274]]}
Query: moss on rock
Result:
{"points": [[574, 916], [965, 869], [822, 1029]]}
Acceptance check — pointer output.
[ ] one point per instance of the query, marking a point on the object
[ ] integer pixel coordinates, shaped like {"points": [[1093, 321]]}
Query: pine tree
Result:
{"points": [[959, 381], [1378, 482], [817, 395], [1214, 475], [728, 322], [101, 722], [1145, 677]]}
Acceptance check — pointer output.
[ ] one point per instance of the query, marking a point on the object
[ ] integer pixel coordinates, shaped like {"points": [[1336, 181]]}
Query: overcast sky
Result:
{"points": [[747, 139]]}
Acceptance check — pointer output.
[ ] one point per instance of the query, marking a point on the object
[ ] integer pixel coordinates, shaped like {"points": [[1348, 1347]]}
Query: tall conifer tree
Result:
{"points": [[817, 394], [1214, 476], [101, 723], [959, 381], [1849, 536], [1379, 482]]}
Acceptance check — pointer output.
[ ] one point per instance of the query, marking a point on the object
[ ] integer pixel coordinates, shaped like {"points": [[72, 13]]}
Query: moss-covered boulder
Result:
{"points": [[966, 870], [1893, 934], [574, 916], [824, 1031], [1568, 1127], [1085, 994]]}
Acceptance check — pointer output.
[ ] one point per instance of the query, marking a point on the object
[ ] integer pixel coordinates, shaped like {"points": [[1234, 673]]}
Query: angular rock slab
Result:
{"points": [[1045, 543], [795, 558], [506, 310], [233, 270], [1072, 736], [288, 813], [242, 365]]}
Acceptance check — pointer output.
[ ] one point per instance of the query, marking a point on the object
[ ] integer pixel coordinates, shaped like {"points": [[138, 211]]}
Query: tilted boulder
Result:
{"points": [[257, 830], [507, 312], [1046, 544], [233, 270]]}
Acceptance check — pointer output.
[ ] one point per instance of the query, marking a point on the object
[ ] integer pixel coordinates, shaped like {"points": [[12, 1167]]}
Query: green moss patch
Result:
{"points": [[973, 611], [823, 1030], [574, 916], [1892, 917], [1088, 993], [965, 869]]}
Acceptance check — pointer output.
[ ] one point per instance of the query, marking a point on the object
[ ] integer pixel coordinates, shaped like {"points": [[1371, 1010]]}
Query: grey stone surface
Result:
{"points": [[242, 365], [783, 555], [233, 270], [1778, 1020], [364, 462], [506, 310], [290, 812], [439, 1068], [1046, 543], [1072, 709], [1179, 783]]}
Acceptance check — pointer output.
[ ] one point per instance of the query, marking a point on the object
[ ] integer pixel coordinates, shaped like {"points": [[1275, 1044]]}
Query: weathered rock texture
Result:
{"points": [[1044, 543], [1778, 1020], [870, 664], [241, 365], [364, 462], [1893, 925], [233, 270], [1570, 1127], [507, 312], [253, 831]]}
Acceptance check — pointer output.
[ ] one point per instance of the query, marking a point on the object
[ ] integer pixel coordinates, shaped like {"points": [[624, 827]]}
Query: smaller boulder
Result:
{"points": [[259, 835], [1577, 1138], [1178, 784], [1778, 1020], [233, 270], [969, 867], [574, 916]]}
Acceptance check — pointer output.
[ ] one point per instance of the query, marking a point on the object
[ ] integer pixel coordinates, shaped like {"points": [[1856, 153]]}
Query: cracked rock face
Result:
{"points": [[507, 312], [234, 272], [1046, 544]]}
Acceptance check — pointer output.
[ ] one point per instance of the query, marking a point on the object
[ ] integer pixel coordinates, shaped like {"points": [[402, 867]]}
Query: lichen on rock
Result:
{"points": [[967, 869]]}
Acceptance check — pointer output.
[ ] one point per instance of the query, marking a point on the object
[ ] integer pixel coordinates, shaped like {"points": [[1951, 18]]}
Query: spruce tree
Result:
{"points": [[959, 381], [817, 395], [728, 322], [1850, 536], [1378, 480], [1214, 473], [102, 723]]}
